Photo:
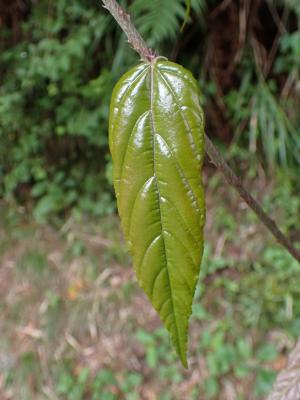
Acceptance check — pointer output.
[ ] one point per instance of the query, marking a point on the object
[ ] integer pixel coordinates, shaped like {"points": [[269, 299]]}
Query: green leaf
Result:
{"points": [[156, 140]]}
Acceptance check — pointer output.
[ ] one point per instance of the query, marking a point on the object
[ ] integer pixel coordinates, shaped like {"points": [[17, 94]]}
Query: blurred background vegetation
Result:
{"points": [[74, 324]]}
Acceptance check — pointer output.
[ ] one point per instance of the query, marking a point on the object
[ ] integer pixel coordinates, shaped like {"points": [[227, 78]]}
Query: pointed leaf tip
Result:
{"points": [[156, 137]]}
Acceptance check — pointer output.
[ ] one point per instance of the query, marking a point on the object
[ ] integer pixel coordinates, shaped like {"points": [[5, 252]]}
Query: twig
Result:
{"points": [[234, 181], [133, 36], [137, 42]]}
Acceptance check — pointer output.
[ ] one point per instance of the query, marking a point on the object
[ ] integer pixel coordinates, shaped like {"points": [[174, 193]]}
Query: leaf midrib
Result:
{"points": [[152, 125]]}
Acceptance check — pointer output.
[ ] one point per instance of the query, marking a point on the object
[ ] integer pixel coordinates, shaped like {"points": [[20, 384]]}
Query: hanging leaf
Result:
{"points": [[156, 140]]}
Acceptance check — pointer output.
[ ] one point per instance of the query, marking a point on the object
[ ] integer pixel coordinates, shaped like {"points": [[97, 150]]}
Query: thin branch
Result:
{"points": [[234, 181], [137, 42], [133, 36]]}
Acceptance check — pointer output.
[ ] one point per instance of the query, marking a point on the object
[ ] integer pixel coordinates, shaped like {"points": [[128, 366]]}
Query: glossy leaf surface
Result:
{"points": [[156, 140]]}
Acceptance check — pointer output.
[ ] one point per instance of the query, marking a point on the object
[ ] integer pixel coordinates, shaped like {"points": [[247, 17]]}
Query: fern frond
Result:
{"points": [[269, 124], [198, 6], [278, 135], [158, 20]]}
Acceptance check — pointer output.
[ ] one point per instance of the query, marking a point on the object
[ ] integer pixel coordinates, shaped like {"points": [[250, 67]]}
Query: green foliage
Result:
{"points": [[246, 313], [156, 139], [58, 66], [72, 388], [56, 81], [262, 102], [105, 384], [156, 351], [54, 95], [159, 20], [269, 124]]}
